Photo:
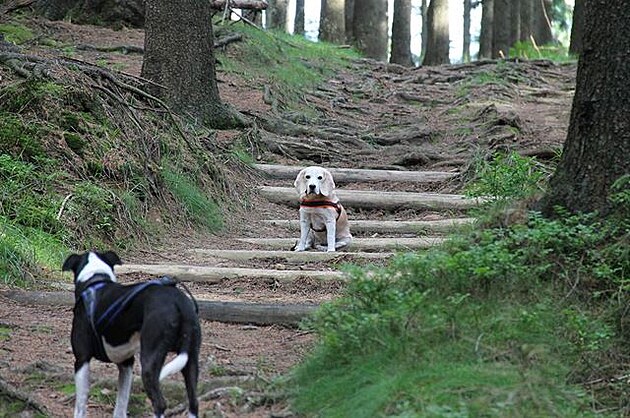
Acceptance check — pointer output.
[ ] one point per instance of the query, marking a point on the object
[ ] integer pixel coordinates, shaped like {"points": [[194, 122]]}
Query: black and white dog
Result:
{"points": [[112, 322]]}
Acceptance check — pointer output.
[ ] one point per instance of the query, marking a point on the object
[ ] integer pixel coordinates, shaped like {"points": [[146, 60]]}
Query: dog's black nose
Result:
{"points": [[311, 186]]}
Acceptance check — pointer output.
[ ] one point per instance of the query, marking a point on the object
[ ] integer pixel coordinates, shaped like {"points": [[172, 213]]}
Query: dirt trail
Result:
{"points": [[374, 115]]}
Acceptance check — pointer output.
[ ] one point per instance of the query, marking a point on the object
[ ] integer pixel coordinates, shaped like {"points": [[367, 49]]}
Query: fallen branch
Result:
{"points": [[14, 5], [123, 49], [12, 392], [239, 4]]}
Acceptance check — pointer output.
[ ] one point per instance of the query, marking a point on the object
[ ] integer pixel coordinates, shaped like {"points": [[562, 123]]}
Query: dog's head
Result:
{"points": [[86, 265], [313, 181]]}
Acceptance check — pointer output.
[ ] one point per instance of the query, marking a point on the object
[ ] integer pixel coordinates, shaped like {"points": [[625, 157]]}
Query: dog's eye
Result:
{"points": [[307, 177], [319, 177]]}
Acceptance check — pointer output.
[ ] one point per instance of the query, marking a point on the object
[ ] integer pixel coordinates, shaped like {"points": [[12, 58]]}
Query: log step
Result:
{"points": [[231, 312], [289, 256], [360, 175], [388, 227], [370, 199], [358, 244], [217, 274]]}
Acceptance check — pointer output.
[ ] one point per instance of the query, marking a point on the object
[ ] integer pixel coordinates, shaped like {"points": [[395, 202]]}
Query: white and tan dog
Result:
{"points": [[323, 221]]}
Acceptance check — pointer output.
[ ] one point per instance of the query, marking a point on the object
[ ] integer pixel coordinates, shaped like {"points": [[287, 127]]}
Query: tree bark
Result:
{"points": [[598, 141], [276, 16], [370, 28], [401, 34], [298, 25], [349, 17], [542, 22], [501, 29], [424, 9], [438, 42], [515, 22], [526, 12], [332, 21], [466, 40], [575, 47], [487, 23], [178, 57]]}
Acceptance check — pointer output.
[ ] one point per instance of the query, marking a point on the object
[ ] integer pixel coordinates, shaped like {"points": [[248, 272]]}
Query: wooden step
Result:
{"points": [[370, 199], [232, 312], [358, 244], [348, 175], [218, 274], [289, 256], [387, 227]]}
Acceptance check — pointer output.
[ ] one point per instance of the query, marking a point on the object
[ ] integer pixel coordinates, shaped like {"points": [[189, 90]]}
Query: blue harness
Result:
{"points": [[89, 297]]}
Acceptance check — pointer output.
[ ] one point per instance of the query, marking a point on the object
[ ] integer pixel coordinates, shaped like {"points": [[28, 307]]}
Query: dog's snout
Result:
{"points": [[311, 187]]}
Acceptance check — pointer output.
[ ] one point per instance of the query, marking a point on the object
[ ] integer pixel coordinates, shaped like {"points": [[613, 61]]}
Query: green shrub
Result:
{"points": [[493, 323], [507, 176]]}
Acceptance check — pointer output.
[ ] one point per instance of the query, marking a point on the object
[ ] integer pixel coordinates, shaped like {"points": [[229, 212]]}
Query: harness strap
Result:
{"points": [[321, 204]]}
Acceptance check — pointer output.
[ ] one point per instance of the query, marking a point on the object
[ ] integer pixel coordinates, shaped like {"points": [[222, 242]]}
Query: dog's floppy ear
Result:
{"points": [[300, 183], [111, 258], [327, 186], [71, 262]]}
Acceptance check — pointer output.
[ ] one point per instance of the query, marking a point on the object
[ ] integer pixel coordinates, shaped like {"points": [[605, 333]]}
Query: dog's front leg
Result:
{"points": [[304, 229], [331, 232], [82, 385], [125, 374]]}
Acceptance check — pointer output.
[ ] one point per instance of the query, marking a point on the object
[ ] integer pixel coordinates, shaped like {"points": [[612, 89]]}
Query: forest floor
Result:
{"points": [[371, 115]]}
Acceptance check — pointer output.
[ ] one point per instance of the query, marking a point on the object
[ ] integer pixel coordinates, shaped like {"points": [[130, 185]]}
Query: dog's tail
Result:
{"points": [[175, 365]]}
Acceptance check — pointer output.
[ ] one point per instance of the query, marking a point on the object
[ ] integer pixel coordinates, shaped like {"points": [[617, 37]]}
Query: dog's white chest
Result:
{"points": [[118, 354]]}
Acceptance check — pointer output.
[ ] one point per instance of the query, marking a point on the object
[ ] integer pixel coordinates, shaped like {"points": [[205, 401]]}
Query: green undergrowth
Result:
{"points": [[528, 50], [78, 171], [286, 64], [519, 321]]}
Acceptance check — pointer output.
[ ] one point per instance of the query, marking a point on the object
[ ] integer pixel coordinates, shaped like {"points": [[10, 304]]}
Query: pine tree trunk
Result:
{"points": [[178, 57], [332, 21], [542, 22], [487, 23], [425, 28], [501, 29], [298, 25], [597, 148], [370, 28], [349, 16], [515, 22], [438, 41], [575, 47], [401, 33], [276, 15], [526, 19], [466, 43]]}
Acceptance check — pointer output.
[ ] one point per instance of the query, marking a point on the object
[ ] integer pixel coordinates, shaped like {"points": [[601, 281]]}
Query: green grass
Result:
{"points": [[497, 322], [289, 64], [197, 204], [527, 50], [16, 33]]}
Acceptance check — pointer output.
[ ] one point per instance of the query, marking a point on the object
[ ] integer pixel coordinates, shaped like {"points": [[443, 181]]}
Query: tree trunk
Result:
{"points": [[370, 28], [178, 57], [598, 141], [332, 21], [515, 22], [526, 12], [466, 44], [298, 26], [501, 29], [425, 28], [542, 22], [438, 42], [349, 17], [276, 15], [577, 28], [401, 34], [487, 23]]}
